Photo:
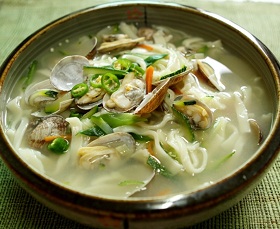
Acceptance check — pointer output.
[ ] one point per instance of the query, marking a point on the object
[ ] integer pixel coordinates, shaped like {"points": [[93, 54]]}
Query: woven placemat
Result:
{"points": [[259, 209]]}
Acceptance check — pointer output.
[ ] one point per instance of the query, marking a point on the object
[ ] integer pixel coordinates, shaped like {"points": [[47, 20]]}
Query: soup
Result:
{"points": [[133, 112]]}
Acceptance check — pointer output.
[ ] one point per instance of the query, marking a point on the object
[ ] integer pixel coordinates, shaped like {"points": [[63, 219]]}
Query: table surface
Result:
{"points": [[18, 19]]}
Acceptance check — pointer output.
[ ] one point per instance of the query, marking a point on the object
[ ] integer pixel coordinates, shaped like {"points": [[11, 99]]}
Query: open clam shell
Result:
{"points": [[68, 72], [153, 99]]}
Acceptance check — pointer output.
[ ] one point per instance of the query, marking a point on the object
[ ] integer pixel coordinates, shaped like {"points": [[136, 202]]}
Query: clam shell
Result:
{"points": [[68, 72], [51, 126]]}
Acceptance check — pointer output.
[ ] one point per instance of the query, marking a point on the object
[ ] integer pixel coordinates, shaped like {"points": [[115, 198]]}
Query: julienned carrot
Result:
{"points": [[52, 137], [145, 46], [149, 78]]}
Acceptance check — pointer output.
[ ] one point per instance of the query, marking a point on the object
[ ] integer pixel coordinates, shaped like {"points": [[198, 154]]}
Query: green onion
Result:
{"points": [[30, 74], [152, 59], [138, 71], [102, 124], [90, 113], [74, 113], [93, 131], [51, 93], [121, 119], [158, 167], [130, 182], [141, 138]]}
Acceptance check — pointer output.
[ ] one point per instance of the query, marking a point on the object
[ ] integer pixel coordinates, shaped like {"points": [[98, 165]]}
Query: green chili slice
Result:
{"points": [[95, 80], [110, 82], [58, 145], [122, 64], [134, 67], [79, 90]]}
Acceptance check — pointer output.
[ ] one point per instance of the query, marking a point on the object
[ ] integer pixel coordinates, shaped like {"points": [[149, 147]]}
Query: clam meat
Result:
{"points": [[118, 44], [107, 149], [128, 96], [50, 126], [199, 114], [207, 67], [92, 98]]}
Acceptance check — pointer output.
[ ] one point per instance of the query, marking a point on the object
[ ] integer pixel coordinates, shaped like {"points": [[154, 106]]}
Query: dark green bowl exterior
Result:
{"points": [[166, 212]]}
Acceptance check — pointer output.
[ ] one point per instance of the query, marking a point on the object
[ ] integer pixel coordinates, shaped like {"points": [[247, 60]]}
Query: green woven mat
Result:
{"points": [[19, 18]]}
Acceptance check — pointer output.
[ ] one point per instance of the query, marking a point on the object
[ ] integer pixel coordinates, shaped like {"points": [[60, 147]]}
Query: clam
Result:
{"points": [[40, 97], [62, 102], [114, 37], [39, 94], [93, 157], [50, 126], [127, 97], [153, 99], [90, 99], [199, 114], [146, 32], [256, 129], [119, 44], [106, 150], [207, 68], [68, 72]]}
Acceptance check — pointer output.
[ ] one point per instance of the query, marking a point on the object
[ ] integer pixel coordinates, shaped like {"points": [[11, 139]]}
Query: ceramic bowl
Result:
{"points": [[175, 211]]}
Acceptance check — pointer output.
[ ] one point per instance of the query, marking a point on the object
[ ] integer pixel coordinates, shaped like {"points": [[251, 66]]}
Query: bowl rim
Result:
{"points": [[195, 200]]}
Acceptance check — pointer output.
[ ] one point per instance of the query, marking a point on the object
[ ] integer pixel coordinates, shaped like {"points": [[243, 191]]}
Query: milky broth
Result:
{"points": [[226, 144]]}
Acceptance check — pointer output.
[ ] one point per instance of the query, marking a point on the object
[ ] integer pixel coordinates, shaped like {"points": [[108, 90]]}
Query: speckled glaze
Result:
{"points": [[163, 212]]}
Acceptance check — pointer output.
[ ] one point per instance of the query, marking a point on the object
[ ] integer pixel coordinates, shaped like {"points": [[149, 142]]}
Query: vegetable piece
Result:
{"points": [[121, 119], [75, 113], [138, 71], [52, 137], [93, 131], [110, 82], [145, 46], [181, 70], [95, 81], [91, 70], [181, 103], [102, 124], [90, 113], [203, 49], [149, 79], [30, 74], [55, 105], [79, 90], [58, 145], [141, 138], [51, 93], [130, 182], [152, 59], [122, 64], [158, 167], [184, 120]]}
